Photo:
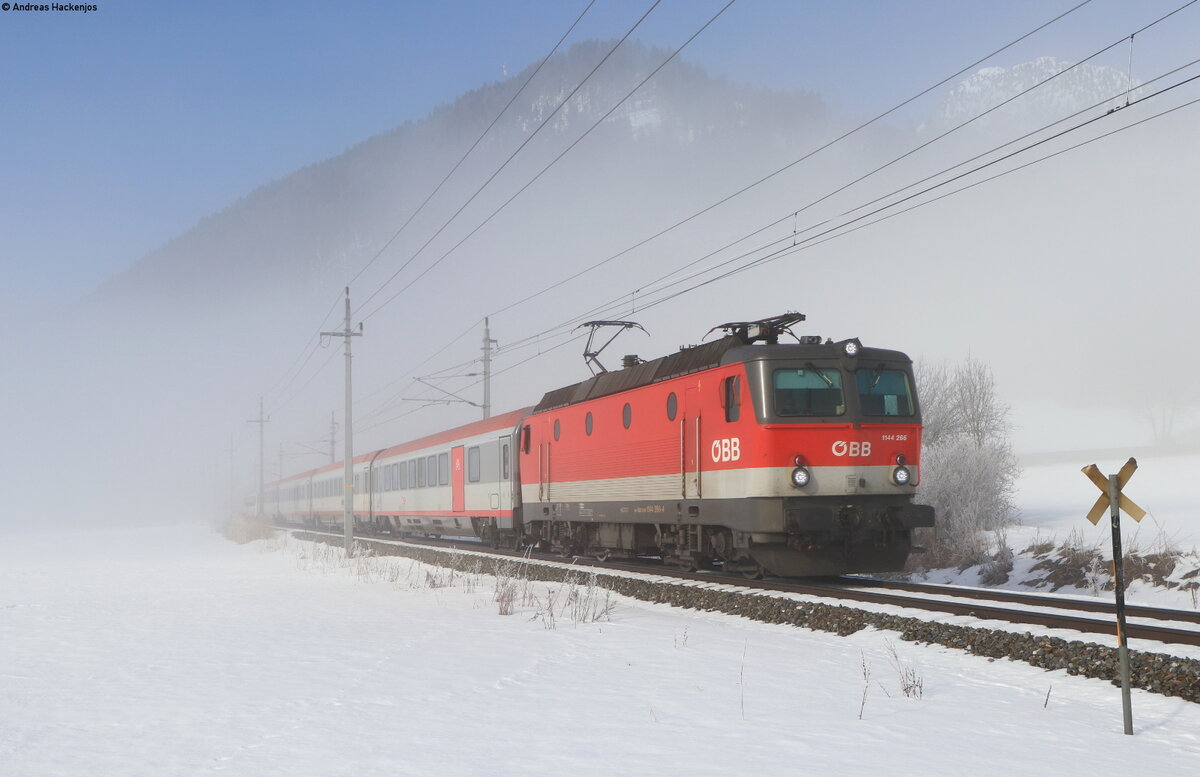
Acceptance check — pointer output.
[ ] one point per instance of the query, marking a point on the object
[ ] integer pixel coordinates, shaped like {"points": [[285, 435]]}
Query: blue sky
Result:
{"points": [[124, 126]]}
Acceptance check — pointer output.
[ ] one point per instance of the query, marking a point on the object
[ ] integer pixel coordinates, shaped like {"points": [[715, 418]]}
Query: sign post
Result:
{"points": [[1115, 501]]}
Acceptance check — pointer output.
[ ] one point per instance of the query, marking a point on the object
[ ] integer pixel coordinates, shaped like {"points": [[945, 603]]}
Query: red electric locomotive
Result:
{"points": [[751, 454], [744, 453]]}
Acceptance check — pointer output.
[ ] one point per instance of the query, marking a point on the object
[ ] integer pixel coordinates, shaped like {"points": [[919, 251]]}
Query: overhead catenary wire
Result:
{"points": [[308, 350], [306, 354], [841, 230], [791, 215], [844, 136], [553, 162], [475, 145], [741, 191], [649, 287], [544, 123], [783, 252], [826, 238]]}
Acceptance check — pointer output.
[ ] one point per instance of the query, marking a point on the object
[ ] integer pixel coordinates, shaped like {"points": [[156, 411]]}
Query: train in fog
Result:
{"points": [[744, 454]]}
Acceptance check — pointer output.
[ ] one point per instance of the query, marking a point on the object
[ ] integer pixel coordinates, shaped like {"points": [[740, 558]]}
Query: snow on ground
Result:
{"points": [[174, 652], [1054, 498]]}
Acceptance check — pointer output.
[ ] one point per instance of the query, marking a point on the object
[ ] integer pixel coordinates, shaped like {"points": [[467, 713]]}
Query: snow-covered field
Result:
{"points": [[1053, 500], [174, 652]]}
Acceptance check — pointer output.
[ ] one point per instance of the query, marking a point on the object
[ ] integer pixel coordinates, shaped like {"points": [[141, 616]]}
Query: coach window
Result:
{"points": [[504, 461], [587, 424], [557, 429], [413, 479], [672, 406], [419, 466], [443, 469], [431, 478], [403, 474], [473, 463], [733, 398], [626, 415]]}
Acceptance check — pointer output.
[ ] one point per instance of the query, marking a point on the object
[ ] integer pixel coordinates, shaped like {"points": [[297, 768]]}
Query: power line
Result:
{"points": [[554, 161], [309, 344], [544, 123], [843, 226], [741, 191], [609, 305], [308, 350], [792, 249], [478, 140], [840, 229], [791, 164], [834, 232]]}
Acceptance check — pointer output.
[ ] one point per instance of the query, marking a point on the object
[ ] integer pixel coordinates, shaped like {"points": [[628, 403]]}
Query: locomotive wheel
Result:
{"points": [[753, 571]]}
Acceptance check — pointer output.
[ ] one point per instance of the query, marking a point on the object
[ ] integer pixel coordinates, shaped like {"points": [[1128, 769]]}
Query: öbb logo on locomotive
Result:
{"points": [[727, 449], [743, 454], [853, 448]]}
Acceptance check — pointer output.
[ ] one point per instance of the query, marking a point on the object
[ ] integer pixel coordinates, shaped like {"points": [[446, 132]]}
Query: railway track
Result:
{"points": [[1157, 625]]}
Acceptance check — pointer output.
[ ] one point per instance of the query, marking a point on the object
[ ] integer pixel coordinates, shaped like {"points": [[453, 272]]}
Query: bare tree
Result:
{"points": [[981, 416], [938, 408], [968, 470]]}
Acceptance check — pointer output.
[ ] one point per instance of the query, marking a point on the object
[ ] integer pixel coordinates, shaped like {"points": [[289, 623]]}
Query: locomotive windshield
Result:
{"points": [[809, 391], [884, 392]]}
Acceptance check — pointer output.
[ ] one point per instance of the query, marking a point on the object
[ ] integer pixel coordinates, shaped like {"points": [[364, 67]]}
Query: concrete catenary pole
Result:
{"points": [[261, 421], [332, 436], [488, 342], [348, 489]]}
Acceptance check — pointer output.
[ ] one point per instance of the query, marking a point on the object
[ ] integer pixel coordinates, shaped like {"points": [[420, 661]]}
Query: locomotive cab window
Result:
{"points": [[808, 391], [884, 392], [732, 398]]}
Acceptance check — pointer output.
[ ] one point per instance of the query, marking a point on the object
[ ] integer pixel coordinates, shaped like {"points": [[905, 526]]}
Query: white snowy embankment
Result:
{"points": [[173, 652], [1053, 500]]}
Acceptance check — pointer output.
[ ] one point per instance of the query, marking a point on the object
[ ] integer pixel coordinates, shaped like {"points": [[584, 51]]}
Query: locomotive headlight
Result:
{"points": [[800, 477], [901, 476], [851, 348]]}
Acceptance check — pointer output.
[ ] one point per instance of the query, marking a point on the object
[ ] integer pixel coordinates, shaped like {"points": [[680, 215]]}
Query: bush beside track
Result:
{"points": [[1155, 672]]}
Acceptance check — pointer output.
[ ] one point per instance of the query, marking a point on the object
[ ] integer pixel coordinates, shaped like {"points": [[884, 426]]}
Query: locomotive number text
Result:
{"points": [[727, 449], [895, 437]]}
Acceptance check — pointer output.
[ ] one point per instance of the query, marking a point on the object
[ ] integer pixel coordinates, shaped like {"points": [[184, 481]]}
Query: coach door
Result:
{"points": [[689, 438], [458, 480], [505, 487]]}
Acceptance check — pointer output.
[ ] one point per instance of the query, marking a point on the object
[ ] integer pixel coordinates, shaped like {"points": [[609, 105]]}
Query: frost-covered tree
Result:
{"points": [[968, 470]]}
